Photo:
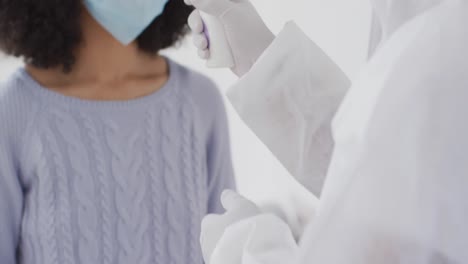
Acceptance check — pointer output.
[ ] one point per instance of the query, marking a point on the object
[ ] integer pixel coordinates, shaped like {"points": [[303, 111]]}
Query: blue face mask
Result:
{"points": [[125, 19]]}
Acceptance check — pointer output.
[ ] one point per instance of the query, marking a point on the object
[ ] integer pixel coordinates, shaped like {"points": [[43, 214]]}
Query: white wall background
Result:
{"points": [[340, 27]]}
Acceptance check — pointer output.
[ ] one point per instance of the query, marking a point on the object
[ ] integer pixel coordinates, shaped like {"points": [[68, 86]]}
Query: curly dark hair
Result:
{"points": [[46, 33]]}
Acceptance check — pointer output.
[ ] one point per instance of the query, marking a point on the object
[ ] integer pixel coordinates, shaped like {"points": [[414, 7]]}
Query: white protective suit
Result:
{"points": [[396, 189]]}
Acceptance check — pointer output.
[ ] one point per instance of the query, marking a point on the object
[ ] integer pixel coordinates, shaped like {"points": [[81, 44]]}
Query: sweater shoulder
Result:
{"points": [[201, 91], [17, 106]]}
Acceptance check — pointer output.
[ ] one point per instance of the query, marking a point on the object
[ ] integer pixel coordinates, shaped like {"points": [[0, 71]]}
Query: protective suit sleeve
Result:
{"points": [[288, 99], [402, 198]]}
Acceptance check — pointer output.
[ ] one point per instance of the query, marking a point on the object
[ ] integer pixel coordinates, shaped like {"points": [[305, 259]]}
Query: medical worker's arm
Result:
{"points": [[288, 99], [11, 195], [289, 91]]}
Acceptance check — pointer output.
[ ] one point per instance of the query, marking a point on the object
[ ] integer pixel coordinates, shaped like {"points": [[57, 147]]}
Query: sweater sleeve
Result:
{"points": [[11, 194], [10, 206], [220, 170], [211, 121]]}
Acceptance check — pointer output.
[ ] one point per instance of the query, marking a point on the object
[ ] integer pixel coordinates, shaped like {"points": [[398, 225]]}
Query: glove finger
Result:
{"points": [[195, 22], [232, 200], [212, 7], [204, 54], [188, 2], [200, 41]]}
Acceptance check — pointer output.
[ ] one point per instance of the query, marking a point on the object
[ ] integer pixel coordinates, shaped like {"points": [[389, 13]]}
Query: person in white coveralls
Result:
{"points": [[387, 153]]}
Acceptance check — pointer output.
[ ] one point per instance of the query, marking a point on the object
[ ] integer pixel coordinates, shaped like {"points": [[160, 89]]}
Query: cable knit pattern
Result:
{"points": [[87, 220], [169, 145], [191, 176], [102, 190], [47, 208], [156, 236], [133, 218], [118, 182], [63, 204]]}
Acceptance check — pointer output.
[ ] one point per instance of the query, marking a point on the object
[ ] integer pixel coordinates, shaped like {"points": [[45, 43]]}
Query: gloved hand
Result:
{"points": [[246, 33], [237, 208], [264, 238]]}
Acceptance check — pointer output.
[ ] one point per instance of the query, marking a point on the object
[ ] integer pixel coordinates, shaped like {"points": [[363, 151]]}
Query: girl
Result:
{"points": [[109, 153]]}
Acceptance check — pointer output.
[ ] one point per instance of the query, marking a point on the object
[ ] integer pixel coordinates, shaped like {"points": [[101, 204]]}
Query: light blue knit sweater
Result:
{"points": [[110, 182]]}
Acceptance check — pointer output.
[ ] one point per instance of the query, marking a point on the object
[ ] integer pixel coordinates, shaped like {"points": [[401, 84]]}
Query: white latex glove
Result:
{"points": [[213, 226], [246, 33], [262, 239]]}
